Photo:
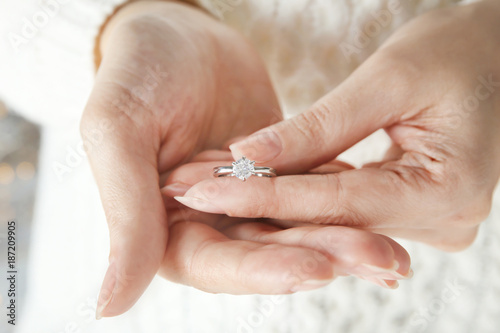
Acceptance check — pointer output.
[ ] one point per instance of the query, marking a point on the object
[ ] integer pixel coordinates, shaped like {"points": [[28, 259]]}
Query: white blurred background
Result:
{"points": [[19, 142]]}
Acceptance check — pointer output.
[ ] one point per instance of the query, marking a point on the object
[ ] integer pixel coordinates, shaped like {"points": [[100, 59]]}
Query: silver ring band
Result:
{"points": [[243, 169], [227, 171]]}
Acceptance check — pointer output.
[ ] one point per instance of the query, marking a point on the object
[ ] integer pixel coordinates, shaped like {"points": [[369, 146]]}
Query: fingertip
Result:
{"points": [[234, 140], [262, 146], [394, 265], [402, 257], [200, 205], [120, 291], [311, 285], [175, 189], [235, 151], [387, 284], [360, 247], [135, 256], [106, 293]]}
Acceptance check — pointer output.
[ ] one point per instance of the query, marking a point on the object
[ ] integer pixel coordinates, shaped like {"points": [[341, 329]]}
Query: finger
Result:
{"points": [[332, 167], [205, 156], [375, 258], [226, 145], [181, 179], [446, 239], [217, 222], [202, 257], [351, 251], [212, 155], [365, 198], [124, 164], [336, 122]]}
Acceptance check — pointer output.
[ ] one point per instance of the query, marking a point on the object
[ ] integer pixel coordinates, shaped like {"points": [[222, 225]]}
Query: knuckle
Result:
{"points": [[399, 174], [335, 199], [312, 125], [455, 244], [335, 208], [418, 170], [440, 189], [483, 210], [116, 104], [474, 213], [292, 195]]}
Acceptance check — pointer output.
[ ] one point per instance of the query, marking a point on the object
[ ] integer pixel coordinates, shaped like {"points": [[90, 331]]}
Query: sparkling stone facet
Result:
{"points": [[243, 168]]}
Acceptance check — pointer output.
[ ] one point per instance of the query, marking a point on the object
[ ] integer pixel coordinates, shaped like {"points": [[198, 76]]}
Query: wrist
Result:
{"points": [[127, 12]]}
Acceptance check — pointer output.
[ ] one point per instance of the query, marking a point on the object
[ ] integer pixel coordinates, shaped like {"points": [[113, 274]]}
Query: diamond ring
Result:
{"points": [[244, 169]]}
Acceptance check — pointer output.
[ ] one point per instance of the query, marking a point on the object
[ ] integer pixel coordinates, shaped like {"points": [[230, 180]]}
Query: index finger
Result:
{"points": [[370, 197]]}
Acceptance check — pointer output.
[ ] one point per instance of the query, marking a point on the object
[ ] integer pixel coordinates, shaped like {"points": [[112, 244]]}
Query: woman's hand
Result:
{"points": [[172, 82], [217, 253], [435, 88]]}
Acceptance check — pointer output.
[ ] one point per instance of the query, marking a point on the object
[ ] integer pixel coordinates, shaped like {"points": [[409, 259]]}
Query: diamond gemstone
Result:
{"points": [[243, 168]]}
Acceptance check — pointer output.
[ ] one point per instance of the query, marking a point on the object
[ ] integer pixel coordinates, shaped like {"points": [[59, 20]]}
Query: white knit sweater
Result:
{"points": [[46, 73]]}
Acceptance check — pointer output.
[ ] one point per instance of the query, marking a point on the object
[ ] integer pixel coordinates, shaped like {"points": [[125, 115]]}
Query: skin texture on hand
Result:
{"points": [[277, 265], [435, 89], [172, 82]]}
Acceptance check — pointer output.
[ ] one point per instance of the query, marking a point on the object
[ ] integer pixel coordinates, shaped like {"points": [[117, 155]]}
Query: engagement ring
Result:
{"points": [[243, 169]]}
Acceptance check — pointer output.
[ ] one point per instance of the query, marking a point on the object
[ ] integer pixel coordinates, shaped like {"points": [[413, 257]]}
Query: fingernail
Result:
{"points": [[200, 204], [384, 273], [106, 294], [388, 284], [175, 189], [310, 285], [262, 146]]}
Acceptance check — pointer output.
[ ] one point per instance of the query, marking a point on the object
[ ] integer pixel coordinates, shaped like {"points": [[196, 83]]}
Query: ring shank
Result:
{"points": [[264, 172], [227, 171]]}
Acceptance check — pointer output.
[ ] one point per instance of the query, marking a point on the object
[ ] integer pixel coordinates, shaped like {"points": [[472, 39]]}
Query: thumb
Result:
{"points": [[333, 124], [124, 163]]}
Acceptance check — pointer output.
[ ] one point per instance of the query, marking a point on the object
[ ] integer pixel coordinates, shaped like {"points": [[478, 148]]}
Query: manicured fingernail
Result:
{"points": [[366, 269], [262, 146], [410, 273], [384, 273], [175, 189], [106, 294], [388, 284], [310, 285], [200, 204]]}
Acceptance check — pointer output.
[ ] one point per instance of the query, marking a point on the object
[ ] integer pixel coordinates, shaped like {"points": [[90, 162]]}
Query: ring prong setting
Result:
{"points": [[243, 168]]}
